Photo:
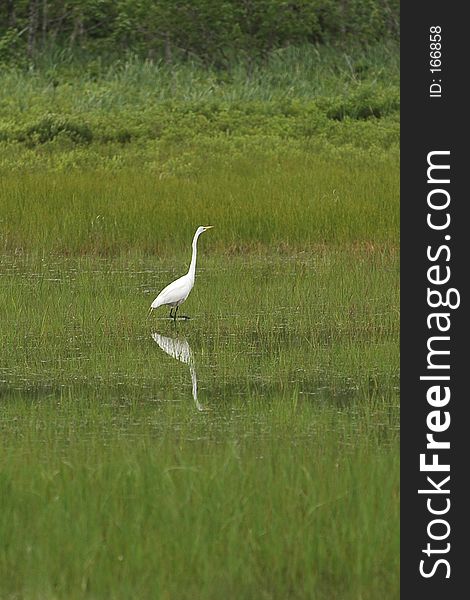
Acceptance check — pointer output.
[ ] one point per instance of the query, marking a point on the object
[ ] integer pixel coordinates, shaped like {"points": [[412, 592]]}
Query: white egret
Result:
{"points": [[176, 292]]}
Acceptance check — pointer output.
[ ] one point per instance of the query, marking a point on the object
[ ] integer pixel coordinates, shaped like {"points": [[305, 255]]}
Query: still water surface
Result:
{"points": [[261, 329]]}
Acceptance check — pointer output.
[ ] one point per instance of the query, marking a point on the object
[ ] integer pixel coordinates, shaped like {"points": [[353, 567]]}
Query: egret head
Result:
{"points": [[203, 228]]}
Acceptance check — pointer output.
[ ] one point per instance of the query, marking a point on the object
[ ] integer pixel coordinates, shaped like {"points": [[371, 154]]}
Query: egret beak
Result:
{"points": [[208, 226]]}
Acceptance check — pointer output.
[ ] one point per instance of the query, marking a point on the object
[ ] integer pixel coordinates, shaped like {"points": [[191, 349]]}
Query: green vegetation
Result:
{"points": [[282, 480], [214, 32], [285, 485], [173, 120], [112, 484], [328, 317], [292, 501], [258, 205]]}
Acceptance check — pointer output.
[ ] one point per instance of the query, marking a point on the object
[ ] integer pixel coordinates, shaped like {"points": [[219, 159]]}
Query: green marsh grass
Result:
{"points": [[289, 501], [283, 482], [326, 318], [285, 204], [285, 485], [171, 120], [295, 72]]}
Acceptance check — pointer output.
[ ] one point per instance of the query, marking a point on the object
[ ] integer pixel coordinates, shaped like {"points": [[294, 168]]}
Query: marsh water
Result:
{"points": [[228, 451], [259, 329]]}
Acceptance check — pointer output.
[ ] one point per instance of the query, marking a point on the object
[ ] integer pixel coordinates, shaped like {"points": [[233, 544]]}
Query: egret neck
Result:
{"points": [[192, 266]]}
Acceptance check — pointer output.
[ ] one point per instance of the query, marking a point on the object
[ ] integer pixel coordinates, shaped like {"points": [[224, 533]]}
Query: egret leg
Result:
{"points": [[171, 312], [176, 310]]}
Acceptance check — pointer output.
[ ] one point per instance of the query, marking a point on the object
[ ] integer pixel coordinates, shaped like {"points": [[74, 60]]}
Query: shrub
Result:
{"points": [[49, 127]]}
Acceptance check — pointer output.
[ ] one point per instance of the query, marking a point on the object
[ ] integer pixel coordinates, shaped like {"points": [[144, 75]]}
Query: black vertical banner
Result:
{"points": [[434, 272]]}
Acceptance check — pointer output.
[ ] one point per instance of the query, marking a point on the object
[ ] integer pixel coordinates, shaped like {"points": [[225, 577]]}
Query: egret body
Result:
{"points": [[176, 292]]}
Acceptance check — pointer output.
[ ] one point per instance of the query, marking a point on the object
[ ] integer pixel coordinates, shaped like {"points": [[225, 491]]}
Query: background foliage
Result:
{"points": [[214, 31]]}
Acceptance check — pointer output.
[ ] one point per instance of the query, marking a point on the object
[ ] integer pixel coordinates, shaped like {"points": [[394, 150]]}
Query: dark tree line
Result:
{"points": [[214, 31]]}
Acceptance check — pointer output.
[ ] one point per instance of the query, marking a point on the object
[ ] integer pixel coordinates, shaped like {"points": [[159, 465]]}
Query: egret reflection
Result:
{"points": [[180, 349]]}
